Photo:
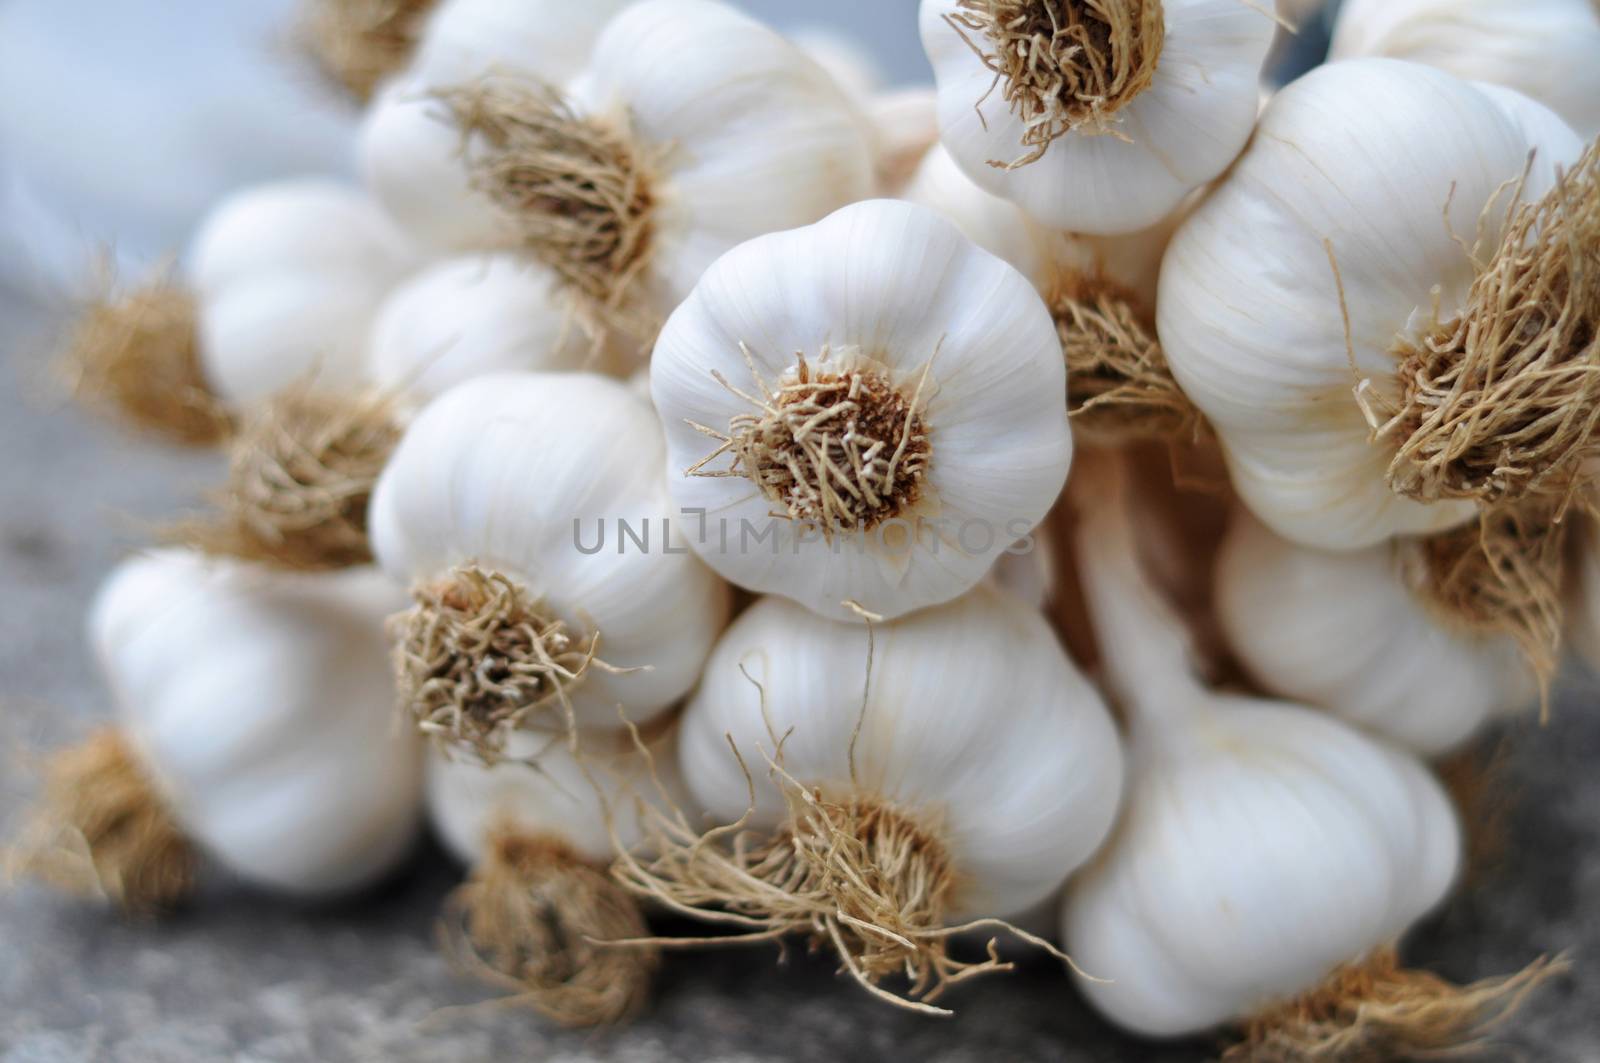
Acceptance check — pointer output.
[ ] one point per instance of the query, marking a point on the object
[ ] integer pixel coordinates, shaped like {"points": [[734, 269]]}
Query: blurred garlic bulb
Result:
{"points": [[1267, 858], [1095, 117], [359, 43], [1345, 632], [951, 765], [254, 723], [469, 316], [906, 127], [539, 835], [870, 408], [1545, 49], [464, 39], [528, 514], [692, 126]]}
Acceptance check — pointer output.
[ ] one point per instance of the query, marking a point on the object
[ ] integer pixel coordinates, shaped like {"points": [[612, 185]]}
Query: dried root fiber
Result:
{"points": [[136, 355], [534, 919], [1503, 402], [300, 474], [359, 43], [1378, 1010], [100, 830], [841, 449], [1119, 386], [576, 188], [477, 658], [1063, 66]]}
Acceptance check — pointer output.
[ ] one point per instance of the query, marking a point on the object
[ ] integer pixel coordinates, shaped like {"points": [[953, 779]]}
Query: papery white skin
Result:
{"points": [[1363, 154], [897, 284], [1262, 843], [976, 725], [753, 136], [465, 38], [261, 705], [470, 315], [511, 471], [555, 796], [1342, 631], [1181, 132], [1545, 49], [287, 277]]}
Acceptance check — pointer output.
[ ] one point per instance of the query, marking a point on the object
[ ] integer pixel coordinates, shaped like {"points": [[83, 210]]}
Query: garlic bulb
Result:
{"points": [[906, 125], [1263, 847], [1095, 117], [255, 722], [950, 765], [885, 406], [1363, 156], [1344, 631], [692, 125], [528, 514], [358, 43], [469, 316], [1544, 49], [465, 38], [539, 836]]}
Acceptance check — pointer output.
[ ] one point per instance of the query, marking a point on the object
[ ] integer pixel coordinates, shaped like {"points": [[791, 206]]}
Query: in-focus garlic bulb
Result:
{"points": [[469, 316], [528, 515], [870, 408], [1345, 632], [254, 722], [1267, 859], [691, 126], [1545, 49], [539, 834], [1093, 116], [948, 766]]}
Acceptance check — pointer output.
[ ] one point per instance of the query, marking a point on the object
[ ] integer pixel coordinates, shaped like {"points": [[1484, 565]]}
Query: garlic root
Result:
{"points": [[1376, 1009], [536, 918], [359, 43], [136, 355], [101, 830]]}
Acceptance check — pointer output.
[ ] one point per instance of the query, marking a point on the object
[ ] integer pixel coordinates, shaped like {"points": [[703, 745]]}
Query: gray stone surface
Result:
{"points": [[238, 975]]}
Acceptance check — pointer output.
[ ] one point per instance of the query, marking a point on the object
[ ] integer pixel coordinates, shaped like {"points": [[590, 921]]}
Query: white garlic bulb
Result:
{"points": [[468, 316], [1345, 632], [1095, 118], [1544, 49], [261, 705], [1262, 844], [969, 746], [890, 401], [710, 127], [1356, 160], [529, 515], [287, 278], [906, 126], [465, 38]]}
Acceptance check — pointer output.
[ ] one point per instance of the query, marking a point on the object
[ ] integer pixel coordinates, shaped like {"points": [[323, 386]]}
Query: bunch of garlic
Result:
{"points": [[253, 725]]}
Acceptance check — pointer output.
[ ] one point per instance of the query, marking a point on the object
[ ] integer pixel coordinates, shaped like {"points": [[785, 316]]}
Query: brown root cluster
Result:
{"points": [[359, 43], [1376, 1009], [1063, 66], [1503, 402], [576, 188], [137, 355], [300, 474], [841, 450], [535, 919], [100, 830], [477, 658], [1503, 574], [1119, 386]]}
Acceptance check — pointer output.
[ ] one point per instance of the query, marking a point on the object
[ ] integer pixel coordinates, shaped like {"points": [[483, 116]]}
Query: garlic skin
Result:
{"points": [[509, 472], [1342, 631], [1260, 347], [468, 316], [906, 128], [892, 293], [465, 38], [1179, 133], [301, 783], [1544, 49], [975, 724], [287, 277]]}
